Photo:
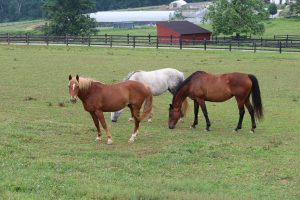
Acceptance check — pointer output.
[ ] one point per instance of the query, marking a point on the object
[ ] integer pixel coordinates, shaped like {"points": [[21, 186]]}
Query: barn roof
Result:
{"points": [[183, 27]]}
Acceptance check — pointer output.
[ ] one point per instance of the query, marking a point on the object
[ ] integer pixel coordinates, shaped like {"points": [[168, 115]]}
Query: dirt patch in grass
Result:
{"points": [[30, 98]]}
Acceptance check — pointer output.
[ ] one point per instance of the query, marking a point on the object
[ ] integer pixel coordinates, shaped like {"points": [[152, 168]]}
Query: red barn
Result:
{"points": [[187, 31]]}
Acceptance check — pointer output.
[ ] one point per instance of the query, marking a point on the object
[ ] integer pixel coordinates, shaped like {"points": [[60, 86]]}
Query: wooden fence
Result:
{"points": [[249, 44]]}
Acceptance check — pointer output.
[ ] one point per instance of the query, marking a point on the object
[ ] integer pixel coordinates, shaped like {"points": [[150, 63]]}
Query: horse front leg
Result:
{"points": [[103, 123], [201, 102], [96, 122], [196, 111]]}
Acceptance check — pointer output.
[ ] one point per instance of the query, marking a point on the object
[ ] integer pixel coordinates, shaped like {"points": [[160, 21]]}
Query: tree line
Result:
{"points": [[15, 10]]}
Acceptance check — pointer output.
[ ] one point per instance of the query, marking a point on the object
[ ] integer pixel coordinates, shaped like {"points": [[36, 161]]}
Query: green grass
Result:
{"points": [[21, 27], [281, 26], [47, 147]]}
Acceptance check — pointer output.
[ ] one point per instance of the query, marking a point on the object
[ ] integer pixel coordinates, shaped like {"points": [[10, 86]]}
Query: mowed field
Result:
{"points": [[48, 148], [280, 26]]}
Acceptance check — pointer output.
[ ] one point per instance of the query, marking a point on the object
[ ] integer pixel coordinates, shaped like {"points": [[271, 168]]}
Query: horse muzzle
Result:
{"points": [[171, 126], [73, 100], [114, 120]]}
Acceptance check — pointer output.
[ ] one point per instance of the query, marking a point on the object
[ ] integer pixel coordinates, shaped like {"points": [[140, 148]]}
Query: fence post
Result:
{"points": [[111, 41], [128, 39], [280, 47], [47, 40], [230, 46], [27, 39], [105, 38], [66, 40], [157, 41], [254, 44], [89, 41], [171, 40], [8, 38], [205, 44], [180, 43], [133, 42], [194, 40], [149, 39], [261, 41]]}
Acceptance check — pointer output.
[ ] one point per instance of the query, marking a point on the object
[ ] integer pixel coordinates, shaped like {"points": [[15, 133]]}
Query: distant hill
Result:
{"points": [[16, 10]]}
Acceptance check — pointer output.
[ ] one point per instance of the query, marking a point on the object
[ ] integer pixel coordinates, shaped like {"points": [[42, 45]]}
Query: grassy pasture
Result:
{"points": [[47, 147], [281, 26]]}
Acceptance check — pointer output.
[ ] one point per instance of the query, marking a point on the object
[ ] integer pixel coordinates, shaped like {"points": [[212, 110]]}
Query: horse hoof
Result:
{"points": [[206, 130], [181, 120], [130, 119], [98, 139], [131, 140], [251, 131], [149, 120], [193, 126], [109, 141]]}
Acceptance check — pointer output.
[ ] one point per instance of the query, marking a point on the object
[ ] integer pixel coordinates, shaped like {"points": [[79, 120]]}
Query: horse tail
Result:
{"points": [[256, 97], [185, 106], [147, 105], [130, 75]]}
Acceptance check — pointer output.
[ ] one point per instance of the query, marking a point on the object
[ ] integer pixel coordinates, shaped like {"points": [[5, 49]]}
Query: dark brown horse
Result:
{"points": [[202, 86], [97, 98]]}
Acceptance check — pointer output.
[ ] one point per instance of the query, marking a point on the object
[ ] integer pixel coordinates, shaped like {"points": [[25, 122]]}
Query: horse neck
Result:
{"points": [[83, 94], [180, 97]]}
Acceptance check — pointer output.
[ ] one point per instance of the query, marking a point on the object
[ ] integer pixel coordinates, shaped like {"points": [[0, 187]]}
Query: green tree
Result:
{"points": [[67, 17], [272, 9], [295, 8], [237, 16]]}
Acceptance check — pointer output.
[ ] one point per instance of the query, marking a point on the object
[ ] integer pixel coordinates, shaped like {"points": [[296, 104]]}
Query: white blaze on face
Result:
{"points": [[74, 87]]}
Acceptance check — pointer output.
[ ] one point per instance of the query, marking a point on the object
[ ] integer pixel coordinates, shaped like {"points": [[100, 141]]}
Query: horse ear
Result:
{"points": [[77, 77], [70, 77]]}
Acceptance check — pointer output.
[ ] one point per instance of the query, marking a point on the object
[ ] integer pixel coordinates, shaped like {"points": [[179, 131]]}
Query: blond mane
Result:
{"points": [[85, 83]]}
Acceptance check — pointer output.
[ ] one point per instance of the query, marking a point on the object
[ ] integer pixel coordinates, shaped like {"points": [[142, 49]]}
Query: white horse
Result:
{"points": [[159, 81]]}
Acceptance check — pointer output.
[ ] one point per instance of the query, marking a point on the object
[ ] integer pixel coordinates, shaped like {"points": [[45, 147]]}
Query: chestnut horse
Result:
{"points": [[97, 98], [202, 86]]}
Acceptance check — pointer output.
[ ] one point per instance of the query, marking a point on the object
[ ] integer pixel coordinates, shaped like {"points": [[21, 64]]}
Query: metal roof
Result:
{"points": [[183, 27], [132, 16]]}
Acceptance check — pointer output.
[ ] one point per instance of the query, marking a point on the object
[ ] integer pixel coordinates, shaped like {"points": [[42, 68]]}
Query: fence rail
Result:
{"points": [[250, 44]]}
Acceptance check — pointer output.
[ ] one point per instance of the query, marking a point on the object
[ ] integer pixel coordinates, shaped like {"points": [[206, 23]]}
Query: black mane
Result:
{"points": [[180, 85]]}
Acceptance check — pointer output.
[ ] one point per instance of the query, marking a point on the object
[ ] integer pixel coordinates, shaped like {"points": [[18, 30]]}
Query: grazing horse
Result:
{"points": [[97, 98], [159, 81], [202, 86]]}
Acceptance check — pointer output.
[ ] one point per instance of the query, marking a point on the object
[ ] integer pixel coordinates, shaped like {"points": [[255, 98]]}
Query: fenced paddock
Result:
{"points": [[279, 43], [48, 148]]}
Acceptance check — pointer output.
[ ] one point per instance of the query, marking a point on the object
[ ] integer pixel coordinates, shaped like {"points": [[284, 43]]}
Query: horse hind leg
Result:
{"points": [[241, 104], [251, 112], [150, 117], [136, 114]]}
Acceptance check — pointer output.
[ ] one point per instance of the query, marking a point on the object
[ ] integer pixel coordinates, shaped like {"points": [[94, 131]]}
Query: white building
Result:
{"points": [[132, 16], [177, 4], [280, 2]]}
